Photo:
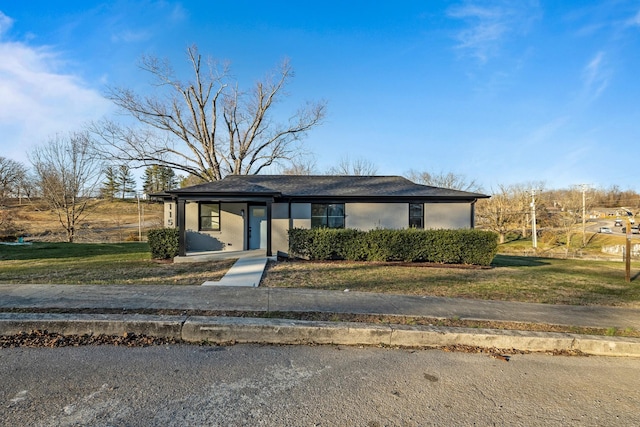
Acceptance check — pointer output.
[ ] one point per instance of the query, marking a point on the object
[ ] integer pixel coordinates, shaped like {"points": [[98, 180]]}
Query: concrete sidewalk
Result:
{"points": [[130, 299]]}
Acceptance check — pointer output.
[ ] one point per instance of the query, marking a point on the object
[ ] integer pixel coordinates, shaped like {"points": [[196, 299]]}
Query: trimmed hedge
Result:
{"points": [[477, 247], [163, 242]]}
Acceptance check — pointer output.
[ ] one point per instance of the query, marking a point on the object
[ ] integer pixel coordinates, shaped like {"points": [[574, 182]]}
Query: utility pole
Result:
{"points": [[584, 214], [139, 219], [534, 233], [627, 254]]}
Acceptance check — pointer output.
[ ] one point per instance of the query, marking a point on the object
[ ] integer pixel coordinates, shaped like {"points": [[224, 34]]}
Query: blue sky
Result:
{"points": [[502, 92]]}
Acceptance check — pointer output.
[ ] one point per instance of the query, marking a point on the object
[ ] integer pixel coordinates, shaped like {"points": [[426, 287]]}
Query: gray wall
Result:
{"points": [[447, 215], [231, 234], [363, 216], [368, 216]]}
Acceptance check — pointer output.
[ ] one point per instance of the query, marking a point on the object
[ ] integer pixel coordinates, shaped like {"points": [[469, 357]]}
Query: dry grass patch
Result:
{"points": [[552, 281], [108, 264], [106, 221], [144, 272]]}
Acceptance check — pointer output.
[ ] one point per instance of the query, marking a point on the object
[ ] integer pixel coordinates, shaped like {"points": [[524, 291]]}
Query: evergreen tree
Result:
{"points": [[125, 180], [158, 178], [110, 185]]}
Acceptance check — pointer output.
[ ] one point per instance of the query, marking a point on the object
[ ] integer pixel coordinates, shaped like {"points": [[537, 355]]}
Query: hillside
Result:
{"points": [[105, 221]]}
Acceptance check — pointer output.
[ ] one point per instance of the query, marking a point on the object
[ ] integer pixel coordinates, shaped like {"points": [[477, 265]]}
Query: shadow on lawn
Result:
{"points": [[517, 261]]}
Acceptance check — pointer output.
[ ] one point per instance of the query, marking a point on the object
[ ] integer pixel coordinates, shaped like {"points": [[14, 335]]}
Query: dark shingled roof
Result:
{"points": [[308, 186]]}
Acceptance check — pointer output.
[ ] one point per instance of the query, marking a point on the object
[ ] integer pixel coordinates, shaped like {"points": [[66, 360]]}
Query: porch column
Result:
{"points": [[182, 233], [269, 228]]}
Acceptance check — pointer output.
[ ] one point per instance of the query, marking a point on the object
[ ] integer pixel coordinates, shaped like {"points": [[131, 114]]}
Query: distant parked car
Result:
{"points": [[605, 230], [634, 230], [618, 223]]}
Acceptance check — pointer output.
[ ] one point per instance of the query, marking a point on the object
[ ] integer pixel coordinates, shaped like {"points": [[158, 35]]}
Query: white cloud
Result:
{"points": [[635, 21], [488, 24], [5, 23], [37, 101]]}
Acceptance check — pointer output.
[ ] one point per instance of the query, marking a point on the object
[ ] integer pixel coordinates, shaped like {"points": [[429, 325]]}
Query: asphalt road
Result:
{"points": [[251, 385], [594, 226]]}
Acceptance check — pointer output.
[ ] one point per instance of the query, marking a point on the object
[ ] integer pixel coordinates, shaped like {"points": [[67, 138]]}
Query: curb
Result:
{"points": [[224, 330]]}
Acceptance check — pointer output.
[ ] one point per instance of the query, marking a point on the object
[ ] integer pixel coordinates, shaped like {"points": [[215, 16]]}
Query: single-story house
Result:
{"points": [[257, 211]]}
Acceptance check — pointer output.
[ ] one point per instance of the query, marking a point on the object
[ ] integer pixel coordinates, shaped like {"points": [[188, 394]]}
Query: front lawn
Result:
{"points": [[511, 278], [90, 263]]}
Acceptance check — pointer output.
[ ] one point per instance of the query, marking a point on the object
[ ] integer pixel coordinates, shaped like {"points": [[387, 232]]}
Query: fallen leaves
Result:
{"points": [[39, 338]]}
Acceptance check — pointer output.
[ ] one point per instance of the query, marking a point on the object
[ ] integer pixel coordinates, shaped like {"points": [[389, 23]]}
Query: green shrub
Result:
{"points": [[163, 242], [412, 245]]}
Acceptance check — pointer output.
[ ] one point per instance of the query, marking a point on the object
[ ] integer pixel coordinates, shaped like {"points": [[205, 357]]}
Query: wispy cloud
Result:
{"points": [[37, 99], [488, 24], [635, 21], [178, 13], [5, 23], [595, 76], [130, 36]]}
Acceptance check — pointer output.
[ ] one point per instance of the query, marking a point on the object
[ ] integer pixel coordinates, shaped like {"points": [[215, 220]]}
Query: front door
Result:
{"points": [[257, 227]]}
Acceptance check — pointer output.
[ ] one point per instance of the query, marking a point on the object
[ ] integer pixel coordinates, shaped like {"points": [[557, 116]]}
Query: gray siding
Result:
{"points": [[447, 215], [231, 234], [368, 216]]}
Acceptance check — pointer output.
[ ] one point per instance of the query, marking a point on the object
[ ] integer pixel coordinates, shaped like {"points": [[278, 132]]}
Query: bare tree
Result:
{"points": [[359, 166], [569, 204], [208, 127], [509, 209], [444, 180], [300, 167], [12, 174], [500, 213], [67, 171]]}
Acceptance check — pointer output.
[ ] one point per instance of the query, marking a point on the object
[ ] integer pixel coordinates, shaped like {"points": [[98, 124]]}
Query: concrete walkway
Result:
{"points": [[227, 298], [245, 272]]}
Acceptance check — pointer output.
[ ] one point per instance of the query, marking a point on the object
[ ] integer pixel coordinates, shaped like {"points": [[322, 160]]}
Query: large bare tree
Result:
{"points": [[206, 126], [67, 171]]}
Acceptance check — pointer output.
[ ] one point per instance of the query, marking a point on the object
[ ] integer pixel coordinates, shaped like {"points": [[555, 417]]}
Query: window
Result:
{"points": [[416, 215], [210, 216], [329, 215]]}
